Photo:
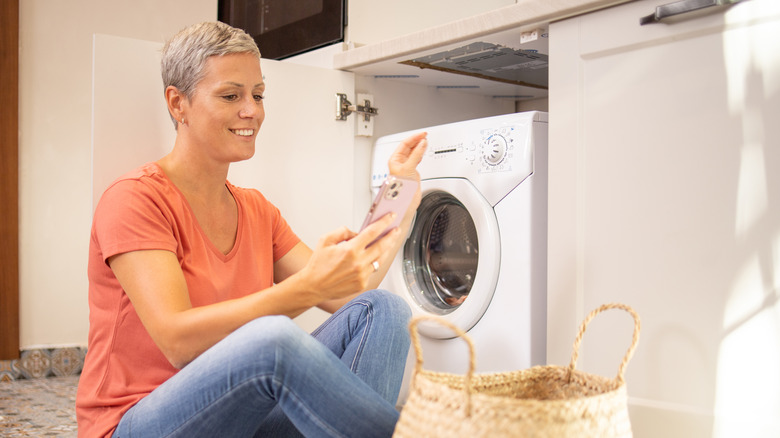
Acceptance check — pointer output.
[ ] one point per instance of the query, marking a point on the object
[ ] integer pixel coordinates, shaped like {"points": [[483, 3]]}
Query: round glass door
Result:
{"points": [[450, 262], [444, 248]]}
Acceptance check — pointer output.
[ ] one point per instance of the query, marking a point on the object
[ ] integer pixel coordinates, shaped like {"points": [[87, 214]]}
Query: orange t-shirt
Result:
{"points": [[145, 210]]}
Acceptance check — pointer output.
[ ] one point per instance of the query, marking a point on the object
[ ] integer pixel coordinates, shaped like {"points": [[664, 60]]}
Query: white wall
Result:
{"points": [[55, 155]]}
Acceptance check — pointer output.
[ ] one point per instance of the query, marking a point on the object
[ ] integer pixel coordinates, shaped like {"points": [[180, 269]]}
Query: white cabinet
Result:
{"points": [[375, 21], [664, 194]]}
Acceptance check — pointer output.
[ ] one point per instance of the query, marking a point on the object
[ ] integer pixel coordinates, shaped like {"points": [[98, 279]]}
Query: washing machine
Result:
{"points": [[476, 254]]}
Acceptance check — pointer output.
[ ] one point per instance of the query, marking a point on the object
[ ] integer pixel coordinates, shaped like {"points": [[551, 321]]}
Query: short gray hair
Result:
{"points": [[184, 56]]}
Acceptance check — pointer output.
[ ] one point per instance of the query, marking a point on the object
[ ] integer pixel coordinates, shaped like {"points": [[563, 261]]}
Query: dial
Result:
{"points": [[494, 149]]}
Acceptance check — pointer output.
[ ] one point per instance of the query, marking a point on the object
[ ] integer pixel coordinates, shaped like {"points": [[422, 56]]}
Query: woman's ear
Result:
{"points": [[175, 100]]}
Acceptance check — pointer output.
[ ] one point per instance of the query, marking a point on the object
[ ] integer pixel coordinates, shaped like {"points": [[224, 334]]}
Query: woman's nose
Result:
{"points": [[250, 108]]}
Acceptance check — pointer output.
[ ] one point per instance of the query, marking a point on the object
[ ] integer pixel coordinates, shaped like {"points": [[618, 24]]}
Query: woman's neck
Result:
{"points": [[195, 177]]}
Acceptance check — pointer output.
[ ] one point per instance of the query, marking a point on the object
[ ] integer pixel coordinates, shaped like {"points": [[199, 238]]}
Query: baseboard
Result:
{"points": [[37, 363]]}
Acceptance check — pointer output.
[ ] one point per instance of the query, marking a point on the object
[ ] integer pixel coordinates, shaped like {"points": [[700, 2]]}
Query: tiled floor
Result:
{"points": [[38, 407]]}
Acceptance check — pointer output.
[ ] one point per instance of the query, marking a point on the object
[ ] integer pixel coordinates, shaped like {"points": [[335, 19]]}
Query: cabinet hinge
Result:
{"points": [[344, 108]]}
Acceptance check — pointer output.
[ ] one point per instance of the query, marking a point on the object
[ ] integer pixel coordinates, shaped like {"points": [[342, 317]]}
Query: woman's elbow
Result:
{"points": [[176, 352]]}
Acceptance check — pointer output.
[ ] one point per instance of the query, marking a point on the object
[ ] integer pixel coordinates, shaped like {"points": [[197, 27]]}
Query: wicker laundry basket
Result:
{"points": [[542, 401]]}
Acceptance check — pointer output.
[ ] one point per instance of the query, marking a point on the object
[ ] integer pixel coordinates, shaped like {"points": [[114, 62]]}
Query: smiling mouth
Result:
{"points": [[243, 132]]}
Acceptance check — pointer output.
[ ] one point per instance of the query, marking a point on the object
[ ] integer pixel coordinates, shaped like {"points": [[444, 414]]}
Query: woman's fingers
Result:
{"points": [[334, 237], [373, 231], [341, 264], [404, 160]]}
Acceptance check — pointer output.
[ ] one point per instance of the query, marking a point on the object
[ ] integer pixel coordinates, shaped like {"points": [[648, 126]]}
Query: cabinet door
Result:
{"points": [[664, 177], [303, 159]]}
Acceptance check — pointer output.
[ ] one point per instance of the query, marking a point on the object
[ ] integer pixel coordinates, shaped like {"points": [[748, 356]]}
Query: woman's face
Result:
{"points": [[226, 110]]}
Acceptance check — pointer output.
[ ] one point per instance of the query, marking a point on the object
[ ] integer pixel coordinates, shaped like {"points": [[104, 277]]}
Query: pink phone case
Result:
{"points": [[394, 195]]}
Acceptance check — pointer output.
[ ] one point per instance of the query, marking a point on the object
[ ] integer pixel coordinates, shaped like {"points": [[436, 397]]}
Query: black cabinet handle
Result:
{"points": [[682, 7]]}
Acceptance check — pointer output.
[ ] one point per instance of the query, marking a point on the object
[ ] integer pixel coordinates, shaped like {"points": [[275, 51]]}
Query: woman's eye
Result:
{"points": [[230, 97], [259, 97]]}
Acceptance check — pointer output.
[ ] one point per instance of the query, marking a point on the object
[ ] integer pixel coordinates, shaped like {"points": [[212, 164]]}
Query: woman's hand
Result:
{"points": [[404, 160], [341, 265]]}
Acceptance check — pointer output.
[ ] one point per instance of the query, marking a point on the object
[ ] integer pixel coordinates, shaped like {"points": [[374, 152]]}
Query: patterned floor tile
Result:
{"points": [[38, 407], [9, 371], [66, 361], [35, 363]]}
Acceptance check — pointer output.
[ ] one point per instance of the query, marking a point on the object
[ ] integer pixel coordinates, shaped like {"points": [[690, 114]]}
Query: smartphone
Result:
{"points": [[395, 195]]}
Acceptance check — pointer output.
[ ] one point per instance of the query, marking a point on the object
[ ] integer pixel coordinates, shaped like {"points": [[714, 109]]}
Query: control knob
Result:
{"points": [[494, 149]]}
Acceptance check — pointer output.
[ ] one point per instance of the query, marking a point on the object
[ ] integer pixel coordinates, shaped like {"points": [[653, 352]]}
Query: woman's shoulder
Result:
{"points": [[150, 171], [144, 181]]}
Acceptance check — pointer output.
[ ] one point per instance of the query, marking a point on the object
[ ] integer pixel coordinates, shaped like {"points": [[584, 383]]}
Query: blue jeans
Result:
{"points": [[270, 378]]}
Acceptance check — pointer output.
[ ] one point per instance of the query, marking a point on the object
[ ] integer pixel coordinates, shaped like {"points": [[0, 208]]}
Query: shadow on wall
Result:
{"points": [[747, 386]]}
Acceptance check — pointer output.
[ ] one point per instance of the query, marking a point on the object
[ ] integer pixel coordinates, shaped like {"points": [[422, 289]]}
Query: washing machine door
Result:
{"points": [[449, 263]]}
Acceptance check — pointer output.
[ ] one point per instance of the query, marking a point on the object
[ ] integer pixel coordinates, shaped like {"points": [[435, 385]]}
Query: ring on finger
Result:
{"points": [[375, 264]]}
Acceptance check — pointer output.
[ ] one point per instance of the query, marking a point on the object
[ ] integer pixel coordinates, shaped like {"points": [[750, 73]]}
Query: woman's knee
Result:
{"points": [[388, 303], [267, 332]]}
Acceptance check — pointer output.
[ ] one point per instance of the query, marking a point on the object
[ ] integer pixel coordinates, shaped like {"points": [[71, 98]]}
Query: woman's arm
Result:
{"points": [[340, 266], [403, 163], [335, 271]]}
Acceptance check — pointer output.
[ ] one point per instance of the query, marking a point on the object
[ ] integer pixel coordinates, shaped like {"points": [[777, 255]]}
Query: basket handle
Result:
{"points": [[576, 349], [461, 334]]}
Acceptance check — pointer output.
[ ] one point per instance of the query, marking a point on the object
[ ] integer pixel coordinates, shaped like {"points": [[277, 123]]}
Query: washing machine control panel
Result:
{"points": [[494, 153], [484, 151]]}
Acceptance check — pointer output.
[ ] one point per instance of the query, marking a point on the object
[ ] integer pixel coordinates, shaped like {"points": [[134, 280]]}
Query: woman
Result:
{"points": [[193, 282]]}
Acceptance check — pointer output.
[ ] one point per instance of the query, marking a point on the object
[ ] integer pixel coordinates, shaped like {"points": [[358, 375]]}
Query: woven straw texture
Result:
{"points": [[543, 401]]}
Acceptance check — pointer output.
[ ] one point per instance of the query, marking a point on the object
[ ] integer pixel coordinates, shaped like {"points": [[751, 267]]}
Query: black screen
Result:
{"points": [[283, 28]]}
